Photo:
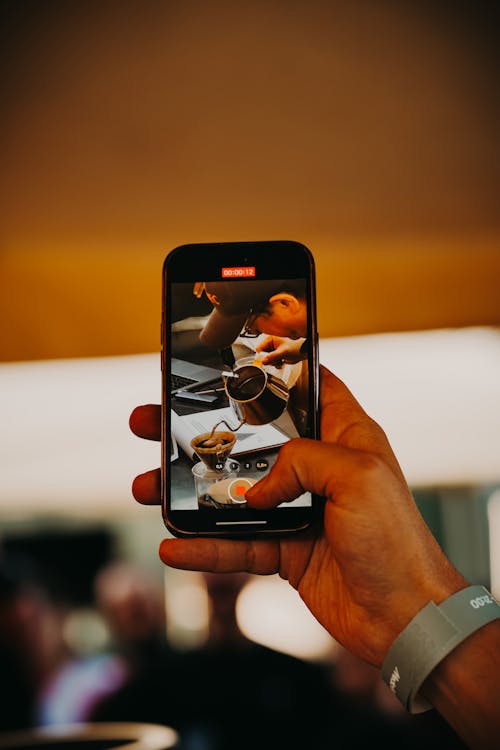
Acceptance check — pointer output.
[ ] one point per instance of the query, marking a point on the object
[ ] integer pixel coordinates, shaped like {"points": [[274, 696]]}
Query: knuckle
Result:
{"points": [[371, 464]]}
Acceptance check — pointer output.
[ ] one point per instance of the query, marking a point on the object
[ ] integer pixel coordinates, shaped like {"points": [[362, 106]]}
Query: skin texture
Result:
{"points": [[371, 564]]}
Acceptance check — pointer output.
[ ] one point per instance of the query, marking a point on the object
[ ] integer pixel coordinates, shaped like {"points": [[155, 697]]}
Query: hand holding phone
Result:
{"points": [[240, 372], [355, 569]]}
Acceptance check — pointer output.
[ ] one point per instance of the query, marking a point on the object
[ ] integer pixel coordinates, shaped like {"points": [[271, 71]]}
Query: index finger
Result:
{"points": [[346, 423]]}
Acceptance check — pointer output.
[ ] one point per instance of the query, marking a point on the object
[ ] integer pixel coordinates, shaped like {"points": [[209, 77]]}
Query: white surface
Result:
{"points": [[65, 444], [435, 393]]}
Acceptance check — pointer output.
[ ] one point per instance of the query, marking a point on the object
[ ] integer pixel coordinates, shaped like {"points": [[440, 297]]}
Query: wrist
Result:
{"points": [[434, 632], [417, 595], [461, 663]]}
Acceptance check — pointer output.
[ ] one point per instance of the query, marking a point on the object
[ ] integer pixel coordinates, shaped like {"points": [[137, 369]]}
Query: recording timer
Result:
{"points": [[239, 272]]}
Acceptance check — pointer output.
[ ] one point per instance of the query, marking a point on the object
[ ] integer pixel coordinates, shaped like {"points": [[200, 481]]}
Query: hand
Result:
{"points": [[370, 567], [281, 350]]}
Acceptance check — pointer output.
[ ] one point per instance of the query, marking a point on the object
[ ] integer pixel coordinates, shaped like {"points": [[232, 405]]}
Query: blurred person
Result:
{"points": [[246, 694], [290, 699], [228, 692], [132, 604], [76, 682], [369, 570], [21, 652], [77, 686], [48, 682], [132, 608]]}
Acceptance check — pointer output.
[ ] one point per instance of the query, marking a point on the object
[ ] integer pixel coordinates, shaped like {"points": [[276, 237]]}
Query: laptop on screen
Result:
{"points": [[187, 374]]}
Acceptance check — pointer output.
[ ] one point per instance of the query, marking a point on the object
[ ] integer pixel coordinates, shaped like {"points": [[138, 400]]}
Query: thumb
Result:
{"points": [[304, 465]]}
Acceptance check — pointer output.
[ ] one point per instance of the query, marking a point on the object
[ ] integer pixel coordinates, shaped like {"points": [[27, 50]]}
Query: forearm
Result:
{"points": [[465, 688]]}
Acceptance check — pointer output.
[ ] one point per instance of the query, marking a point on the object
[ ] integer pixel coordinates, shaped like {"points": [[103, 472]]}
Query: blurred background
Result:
{"points": [[366, 130]]}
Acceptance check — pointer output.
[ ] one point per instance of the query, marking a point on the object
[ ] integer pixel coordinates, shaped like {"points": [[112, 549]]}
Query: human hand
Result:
{"points": [[373, 563], [280, 350]]}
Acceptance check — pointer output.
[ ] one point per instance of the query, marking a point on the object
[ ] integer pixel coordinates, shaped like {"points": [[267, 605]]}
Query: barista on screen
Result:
{"points": [[250, 308]]}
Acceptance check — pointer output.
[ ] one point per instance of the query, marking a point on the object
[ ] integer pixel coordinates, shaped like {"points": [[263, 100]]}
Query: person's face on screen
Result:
{"points": [[285, 316]]}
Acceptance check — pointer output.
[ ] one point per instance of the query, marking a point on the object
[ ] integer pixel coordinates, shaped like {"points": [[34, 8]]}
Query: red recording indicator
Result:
{"points": [[241, 272]]}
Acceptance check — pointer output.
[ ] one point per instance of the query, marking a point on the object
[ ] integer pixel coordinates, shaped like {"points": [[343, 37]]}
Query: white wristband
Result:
{"points": [[432, 634]]}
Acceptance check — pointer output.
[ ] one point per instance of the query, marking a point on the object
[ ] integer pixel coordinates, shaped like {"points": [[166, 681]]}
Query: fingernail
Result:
{"points": [[255, 489]]}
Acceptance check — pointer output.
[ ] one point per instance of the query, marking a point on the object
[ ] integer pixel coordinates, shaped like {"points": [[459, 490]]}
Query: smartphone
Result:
{"points": [[239, 380]]}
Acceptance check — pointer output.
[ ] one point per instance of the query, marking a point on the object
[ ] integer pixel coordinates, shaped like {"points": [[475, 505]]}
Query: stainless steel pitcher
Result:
{"points": [[256, 396]]}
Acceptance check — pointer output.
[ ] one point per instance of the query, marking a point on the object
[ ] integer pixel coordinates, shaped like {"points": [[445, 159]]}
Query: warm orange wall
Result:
{"points": [[68, 303], [368, 131]]}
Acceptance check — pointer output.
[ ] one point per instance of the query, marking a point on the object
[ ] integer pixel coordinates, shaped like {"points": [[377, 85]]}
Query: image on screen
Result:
{"points": [[239, 373]]}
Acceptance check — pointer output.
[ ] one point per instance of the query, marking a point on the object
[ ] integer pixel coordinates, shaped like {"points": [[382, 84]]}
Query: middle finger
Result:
{"points": [[146, 488]]}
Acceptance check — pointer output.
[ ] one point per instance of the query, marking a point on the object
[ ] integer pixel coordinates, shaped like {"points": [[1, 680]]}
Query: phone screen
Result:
{"points": [[239, 381]]}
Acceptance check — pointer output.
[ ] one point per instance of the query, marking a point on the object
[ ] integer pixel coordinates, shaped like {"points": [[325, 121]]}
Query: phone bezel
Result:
{"points": [[278, 259]]}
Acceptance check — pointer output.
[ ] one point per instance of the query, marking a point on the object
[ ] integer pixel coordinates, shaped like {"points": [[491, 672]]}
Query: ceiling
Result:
{"points": [[367, 131]]}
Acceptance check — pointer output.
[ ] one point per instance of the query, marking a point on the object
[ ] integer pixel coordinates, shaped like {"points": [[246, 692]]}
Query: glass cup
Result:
{"points": [[220, 489]]}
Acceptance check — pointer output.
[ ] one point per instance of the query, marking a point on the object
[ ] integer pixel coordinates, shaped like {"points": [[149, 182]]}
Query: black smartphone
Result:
{"points": [[239, 379]]}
